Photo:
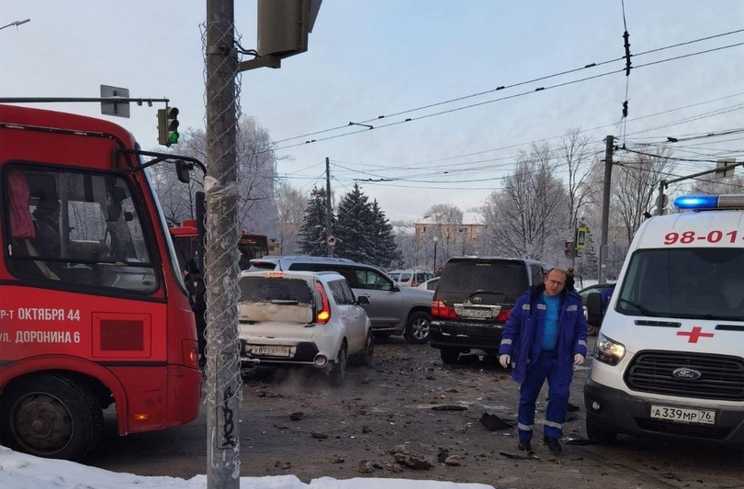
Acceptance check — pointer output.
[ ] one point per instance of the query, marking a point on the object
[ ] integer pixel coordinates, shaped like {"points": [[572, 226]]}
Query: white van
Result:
{"points": [[669, 357]]}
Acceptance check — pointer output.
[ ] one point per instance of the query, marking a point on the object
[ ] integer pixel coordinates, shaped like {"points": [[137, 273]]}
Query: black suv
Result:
{"points": [[473, 300]]}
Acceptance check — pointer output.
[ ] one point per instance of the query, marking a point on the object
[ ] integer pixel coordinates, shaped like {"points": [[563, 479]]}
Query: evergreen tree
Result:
{"points": [[355, 227], [312, 238], [386, 250]]}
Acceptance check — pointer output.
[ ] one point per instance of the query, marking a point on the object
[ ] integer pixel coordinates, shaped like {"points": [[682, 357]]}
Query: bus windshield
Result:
{"points": [[252, 246], [693, 283]]}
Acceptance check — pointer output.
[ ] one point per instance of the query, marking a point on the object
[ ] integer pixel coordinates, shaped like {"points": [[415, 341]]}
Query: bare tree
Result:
{"points": [[178, 201], [710, 185], [256, 179], [290, 203], [635, 184], [257, 210], [446, 220], [527, 218], [575, 155]]}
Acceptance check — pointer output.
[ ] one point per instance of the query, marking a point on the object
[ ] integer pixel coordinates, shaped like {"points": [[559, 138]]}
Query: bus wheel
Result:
{"points": [[51, 416]]}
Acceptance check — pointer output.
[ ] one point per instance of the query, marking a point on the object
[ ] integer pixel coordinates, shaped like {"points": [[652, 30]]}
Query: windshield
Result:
{"points": [[695, 283], [84, 229], [252, 246], [172, 257]]}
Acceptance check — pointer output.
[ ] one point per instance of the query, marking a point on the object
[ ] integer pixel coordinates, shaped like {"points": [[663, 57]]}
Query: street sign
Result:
{"points": [[725, 167], [331, 241], [117, 109], [581, 238]]}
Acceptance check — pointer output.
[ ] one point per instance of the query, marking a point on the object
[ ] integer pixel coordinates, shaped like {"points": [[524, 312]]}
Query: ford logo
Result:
{"points": [[686, 374]]}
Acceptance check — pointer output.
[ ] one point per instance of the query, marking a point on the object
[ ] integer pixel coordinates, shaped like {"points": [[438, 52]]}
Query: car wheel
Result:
{"points": [[338, 370], [368, 352], [449, 355], [417, 329], [596, 433], [51, 416], [592, 330]]}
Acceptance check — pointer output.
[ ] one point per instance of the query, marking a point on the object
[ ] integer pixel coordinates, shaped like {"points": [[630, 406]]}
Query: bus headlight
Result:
{"points": [[608, 351]]}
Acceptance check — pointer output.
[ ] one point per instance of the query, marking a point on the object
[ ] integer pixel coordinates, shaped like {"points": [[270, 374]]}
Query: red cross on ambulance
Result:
{"points": [[695, 334]]}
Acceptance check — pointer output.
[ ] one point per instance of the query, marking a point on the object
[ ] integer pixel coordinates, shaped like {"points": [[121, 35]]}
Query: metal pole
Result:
{"points": [[329, 210], [609, 146], [660, 199], [223, 345], [574, 251]]}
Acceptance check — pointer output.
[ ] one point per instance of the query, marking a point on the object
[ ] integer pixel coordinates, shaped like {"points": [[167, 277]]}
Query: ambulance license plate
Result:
{"points": [[683, 415]]}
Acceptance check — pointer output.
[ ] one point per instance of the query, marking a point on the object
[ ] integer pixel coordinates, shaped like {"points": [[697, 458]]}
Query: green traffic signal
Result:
{"points": [[173, 137]]}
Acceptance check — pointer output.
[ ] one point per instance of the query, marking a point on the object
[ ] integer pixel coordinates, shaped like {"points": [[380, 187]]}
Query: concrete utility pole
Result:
{"points": [[609, 147], [329, 210], [223, 345]]}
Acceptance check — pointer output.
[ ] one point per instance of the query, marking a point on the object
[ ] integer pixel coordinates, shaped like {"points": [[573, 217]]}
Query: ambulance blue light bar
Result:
{"points": [[703, 202]]}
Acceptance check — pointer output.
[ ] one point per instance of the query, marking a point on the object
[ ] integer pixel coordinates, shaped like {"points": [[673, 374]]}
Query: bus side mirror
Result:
{"points": [[594, 309], [183, 171]]}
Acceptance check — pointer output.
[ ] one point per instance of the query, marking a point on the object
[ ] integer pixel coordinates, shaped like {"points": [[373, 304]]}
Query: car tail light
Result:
{"points": [[503, 315], [441, 310], [324, 315]]}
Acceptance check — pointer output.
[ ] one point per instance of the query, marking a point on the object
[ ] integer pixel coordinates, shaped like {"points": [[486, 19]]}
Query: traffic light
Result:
{"points": [[168, 126]]}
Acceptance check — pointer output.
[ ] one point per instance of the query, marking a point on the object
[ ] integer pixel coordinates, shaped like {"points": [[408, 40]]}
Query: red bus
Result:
{"points": [[93, 308], [185, 238]]}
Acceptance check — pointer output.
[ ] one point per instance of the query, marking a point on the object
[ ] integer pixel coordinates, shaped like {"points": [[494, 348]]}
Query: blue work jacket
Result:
{"points": [[523, 333]]}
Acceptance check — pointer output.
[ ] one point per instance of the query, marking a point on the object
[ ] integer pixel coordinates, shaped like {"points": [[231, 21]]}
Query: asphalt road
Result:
{"points": [[409, 402]]}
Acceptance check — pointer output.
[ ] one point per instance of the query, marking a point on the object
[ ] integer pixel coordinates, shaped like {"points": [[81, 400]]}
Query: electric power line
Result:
{"points": [[504, 87]]}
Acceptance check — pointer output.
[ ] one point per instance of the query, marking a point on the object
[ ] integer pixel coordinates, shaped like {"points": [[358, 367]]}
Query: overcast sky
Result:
{"points": [[372, 58]]}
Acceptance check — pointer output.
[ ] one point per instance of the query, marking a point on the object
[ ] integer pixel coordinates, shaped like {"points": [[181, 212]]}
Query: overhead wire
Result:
{"points": [[504, 87]]}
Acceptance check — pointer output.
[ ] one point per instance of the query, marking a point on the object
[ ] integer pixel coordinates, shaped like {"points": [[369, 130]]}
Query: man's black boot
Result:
{"points": [[553, 445], [524, 445]]}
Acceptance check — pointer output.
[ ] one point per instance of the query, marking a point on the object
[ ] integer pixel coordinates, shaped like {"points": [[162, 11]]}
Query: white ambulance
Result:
{"points": [[669, 357]]}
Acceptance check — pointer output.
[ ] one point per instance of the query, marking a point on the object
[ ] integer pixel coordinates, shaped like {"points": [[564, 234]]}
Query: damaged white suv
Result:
{"points": [[303, 319]]}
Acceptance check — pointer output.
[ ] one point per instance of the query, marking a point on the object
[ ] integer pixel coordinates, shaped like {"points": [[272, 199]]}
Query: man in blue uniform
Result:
{"points": [[544, 337]]}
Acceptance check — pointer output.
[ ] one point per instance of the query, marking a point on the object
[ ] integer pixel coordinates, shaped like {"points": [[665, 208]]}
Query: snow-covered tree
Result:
{"points": [[290, 204], [529, 216], [635, 182], [256, 178], [382, 238], [312, 238], [446, 220]]}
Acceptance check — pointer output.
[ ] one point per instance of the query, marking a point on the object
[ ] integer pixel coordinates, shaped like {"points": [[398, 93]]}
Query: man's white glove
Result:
{"points": [[505, 360], [578, 359]]}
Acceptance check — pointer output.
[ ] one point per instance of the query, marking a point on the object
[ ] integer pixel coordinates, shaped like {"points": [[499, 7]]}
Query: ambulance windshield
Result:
{"points": [[694, 283]]}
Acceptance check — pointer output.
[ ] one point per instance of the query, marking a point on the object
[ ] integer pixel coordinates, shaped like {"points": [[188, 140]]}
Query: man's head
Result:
{"points": [[554, 282]]}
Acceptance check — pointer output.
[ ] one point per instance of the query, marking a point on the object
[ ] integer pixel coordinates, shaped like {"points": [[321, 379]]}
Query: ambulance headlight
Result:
{"points": [[608, 351]]}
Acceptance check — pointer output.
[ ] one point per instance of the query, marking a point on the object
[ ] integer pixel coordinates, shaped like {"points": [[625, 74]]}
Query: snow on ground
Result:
{"points": [[21, 471]]}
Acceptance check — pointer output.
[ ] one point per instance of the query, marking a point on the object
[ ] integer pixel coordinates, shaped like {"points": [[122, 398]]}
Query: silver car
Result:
{"points": [[393, 310]]}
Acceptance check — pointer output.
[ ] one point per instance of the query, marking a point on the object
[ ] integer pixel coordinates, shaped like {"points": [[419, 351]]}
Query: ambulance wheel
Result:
{"points": [[52, 416], [592, 330]]}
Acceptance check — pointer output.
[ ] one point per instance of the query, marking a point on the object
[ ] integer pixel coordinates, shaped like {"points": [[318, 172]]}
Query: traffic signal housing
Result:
{"points": [[168, 126]]}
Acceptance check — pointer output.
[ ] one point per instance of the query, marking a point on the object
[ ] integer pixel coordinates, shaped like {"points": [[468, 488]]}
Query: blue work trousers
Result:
{"points": [[544, 368]]}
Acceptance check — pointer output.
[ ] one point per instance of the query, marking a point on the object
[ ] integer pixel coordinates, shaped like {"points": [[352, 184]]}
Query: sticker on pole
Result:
{"points": [[331, 241]]}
